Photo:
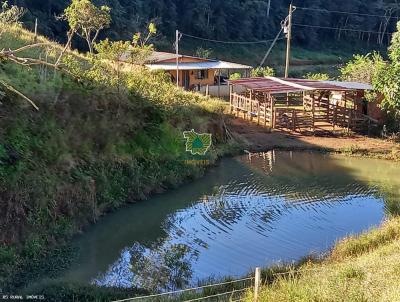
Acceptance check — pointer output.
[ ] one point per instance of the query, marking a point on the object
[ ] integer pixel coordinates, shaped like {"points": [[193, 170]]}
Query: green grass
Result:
{"points": [[359, 268]]}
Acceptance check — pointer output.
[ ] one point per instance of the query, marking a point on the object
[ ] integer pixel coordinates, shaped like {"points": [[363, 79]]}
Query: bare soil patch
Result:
{"points": [[258, 138]]}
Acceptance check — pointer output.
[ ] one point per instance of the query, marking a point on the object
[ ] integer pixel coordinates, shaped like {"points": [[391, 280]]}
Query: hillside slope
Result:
{"points": [[90, 149]]}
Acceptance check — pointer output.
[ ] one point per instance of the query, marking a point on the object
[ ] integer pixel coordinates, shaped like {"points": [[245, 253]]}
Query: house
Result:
{"points": [[198, 74], [303, 105]]}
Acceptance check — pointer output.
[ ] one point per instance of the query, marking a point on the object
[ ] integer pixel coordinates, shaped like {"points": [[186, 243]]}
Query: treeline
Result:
{"points": [[236, 20]]}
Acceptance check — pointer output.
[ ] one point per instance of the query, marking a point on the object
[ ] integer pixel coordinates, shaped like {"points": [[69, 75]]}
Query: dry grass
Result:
{"points": [[360, 268]]}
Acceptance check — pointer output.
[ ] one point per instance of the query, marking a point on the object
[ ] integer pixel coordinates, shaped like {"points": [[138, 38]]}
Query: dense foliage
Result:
{"points": [[387, 80], [230, 19], [363, 68], [317, 76]]}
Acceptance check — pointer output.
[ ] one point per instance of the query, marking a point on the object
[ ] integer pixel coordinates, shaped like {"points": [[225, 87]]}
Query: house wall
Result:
{"points": [[375, 111], [222, 91], [193, 82], [373, 107]]}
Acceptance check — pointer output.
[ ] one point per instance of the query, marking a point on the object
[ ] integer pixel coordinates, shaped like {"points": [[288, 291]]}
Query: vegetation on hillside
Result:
{"points": [[105, 134], [232, 19], [315, 49]]}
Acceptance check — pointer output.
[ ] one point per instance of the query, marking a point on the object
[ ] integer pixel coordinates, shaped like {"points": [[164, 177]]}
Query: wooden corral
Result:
{"points": [[303, 105]]}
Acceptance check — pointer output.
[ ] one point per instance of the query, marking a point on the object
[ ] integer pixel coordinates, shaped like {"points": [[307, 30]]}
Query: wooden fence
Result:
{"points": [[317, 111], [251, 109]]}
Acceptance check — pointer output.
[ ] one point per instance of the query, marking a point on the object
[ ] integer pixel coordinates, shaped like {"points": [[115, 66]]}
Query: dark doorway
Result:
{"points": [[186, 79]]}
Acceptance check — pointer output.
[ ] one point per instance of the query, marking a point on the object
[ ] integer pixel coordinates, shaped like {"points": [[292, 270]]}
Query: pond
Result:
{"points": [[247, 212]]}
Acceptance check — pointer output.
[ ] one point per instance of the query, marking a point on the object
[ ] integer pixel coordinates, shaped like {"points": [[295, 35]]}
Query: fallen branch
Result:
{"points": [[26, 47], [12, 89]]}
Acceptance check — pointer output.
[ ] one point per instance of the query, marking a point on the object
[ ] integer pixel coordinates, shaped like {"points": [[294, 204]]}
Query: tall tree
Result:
{"points": [[87, 20]]}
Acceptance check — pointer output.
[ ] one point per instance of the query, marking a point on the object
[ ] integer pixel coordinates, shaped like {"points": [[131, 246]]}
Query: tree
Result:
{"points": [[9, 14], [235, 76], [362, 68], [110, 53], [204, 53], [141, 46], [262, 72], [142, 39], [387, 79], [87, 20], [317, 76]]}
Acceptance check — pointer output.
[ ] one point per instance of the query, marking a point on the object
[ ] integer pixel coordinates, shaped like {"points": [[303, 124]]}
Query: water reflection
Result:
{"points": [[248, 212]]}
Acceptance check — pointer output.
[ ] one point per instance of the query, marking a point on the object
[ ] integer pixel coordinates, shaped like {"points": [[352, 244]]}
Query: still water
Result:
{"points": [[275, 207]]}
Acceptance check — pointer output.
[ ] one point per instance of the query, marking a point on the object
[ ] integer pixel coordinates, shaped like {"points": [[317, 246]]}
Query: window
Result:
{"points": [[202, 74]]}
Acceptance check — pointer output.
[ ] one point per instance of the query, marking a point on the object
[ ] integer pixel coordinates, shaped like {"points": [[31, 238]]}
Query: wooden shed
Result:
{"points": [[304, 105]]}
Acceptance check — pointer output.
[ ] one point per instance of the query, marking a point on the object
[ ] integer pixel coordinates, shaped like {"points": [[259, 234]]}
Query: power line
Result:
{"points": [[346, 13], [338, 28], [228, 42]]}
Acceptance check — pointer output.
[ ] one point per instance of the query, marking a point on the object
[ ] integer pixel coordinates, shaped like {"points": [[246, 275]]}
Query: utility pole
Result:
{"points": [[36, 29], [270, 48], [177, 57], [269, 8], [289, 38]]}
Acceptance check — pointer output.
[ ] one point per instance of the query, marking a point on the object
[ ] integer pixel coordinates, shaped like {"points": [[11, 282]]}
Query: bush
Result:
{"points": [[262, 72], [235, 76], [317, 76]]}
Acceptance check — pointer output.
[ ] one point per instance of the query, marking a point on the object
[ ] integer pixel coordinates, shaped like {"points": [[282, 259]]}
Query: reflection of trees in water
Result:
{"points": [[165, 268], [304, 177]]}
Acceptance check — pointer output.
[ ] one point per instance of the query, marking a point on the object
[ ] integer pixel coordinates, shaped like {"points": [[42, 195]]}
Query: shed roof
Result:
{"points": [[275, 85], [351, 85], [211, 64]]}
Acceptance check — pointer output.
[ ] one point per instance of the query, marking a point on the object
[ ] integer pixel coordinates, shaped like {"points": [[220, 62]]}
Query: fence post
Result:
{"points": [[257, 283]]}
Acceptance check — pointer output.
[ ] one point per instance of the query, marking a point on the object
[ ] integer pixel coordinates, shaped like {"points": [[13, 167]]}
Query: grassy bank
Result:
{"points": [[90, 149], [359, 268]]}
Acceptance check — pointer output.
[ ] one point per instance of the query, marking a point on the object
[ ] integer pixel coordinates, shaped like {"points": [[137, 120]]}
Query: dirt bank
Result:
{"points": [[258, 138]]}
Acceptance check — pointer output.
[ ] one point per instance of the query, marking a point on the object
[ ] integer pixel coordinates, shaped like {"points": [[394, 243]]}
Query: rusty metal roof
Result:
{"points": [[277, 85]]}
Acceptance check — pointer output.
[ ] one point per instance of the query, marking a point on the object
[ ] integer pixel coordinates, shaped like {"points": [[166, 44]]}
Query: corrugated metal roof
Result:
{"points": [[198, 65], [276, 85], [351, 85], [159, 56]]}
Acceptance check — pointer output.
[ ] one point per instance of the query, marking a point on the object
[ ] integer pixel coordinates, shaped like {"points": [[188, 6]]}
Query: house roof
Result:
{"points": [[156, 61], [197, 65], [162, 61], [159, 56], [277, 85]]}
